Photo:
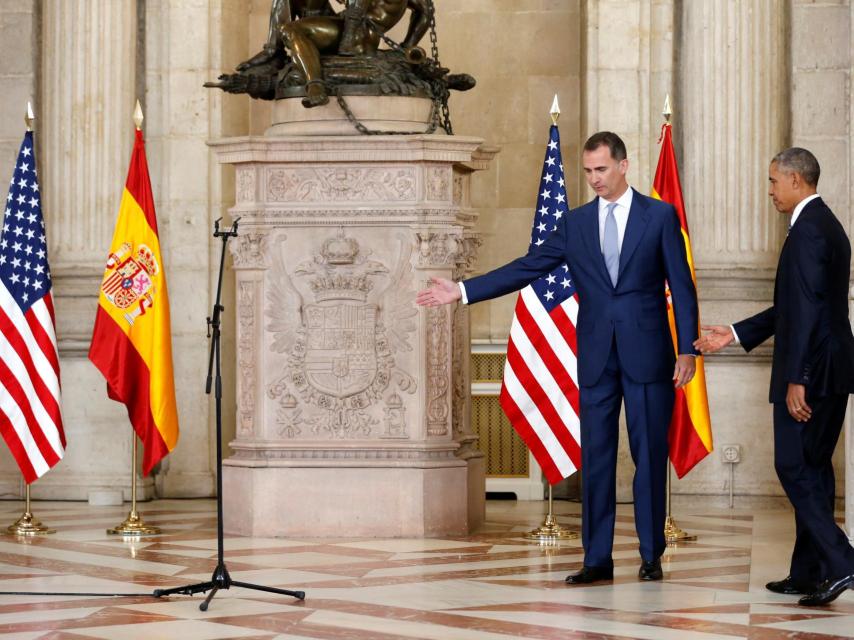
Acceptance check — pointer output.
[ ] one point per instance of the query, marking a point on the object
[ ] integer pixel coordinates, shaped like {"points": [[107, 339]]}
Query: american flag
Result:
{"points": [[539, 393], [30, 416]]}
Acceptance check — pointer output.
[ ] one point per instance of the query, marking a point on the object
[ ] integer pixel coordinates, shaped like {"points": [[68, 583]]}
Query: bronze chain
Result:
{"points": [[438, 89]]}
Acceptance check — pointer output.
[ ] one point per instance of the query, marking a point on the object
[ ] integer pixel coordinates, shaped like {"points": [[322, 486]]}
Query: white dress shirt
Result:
{"points": [[795, 214], [800, 207]]}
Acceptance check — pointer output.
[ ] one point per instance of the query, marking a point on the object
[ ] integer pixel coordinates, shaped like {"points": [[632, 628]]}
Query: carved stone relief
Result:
{"points": [[437, 183], [395, 418], [344, 184], [465, 258], [246, 358], [341, 342], [438, 382], [437, 249], [245, 185], [458, 189], [248, 250], [288, 415]]}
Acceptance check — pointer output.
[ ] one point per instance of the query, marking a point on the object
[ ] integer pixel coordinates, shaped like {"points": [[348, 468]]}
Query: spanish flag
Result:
{"points": [[132, 343], [690, 435]]}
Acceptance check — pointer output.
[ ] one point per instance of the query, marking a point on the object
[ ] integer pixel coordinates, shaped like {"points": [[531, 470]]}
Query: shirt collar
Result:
{"points": [[624, 201], [800, 207]]}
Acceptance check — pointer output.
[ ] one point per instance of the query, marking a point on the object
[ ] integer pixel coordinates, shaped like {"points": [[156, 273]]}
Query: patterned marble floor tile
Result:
{"points": [[491, 585], [169, 630]]}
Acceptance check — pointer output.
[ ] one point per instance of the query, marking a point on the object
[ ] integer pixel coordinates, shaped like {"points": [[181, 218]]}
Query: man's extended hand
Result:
{"points": [[686, 366], [440, 291], [717, 338], [796, 402]]}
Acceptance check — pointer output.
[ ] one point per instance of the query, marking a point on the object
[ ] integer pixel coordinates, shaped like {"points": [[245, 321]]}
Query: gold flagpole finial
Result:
{"points": [[137, 116], [667, 109], [29, 118], [555, 111]]}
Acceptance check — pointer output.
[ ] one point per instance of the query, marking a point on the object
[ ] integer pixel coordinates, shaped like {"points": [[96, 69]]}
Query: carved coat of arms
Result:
{"points": [[341, 356]]}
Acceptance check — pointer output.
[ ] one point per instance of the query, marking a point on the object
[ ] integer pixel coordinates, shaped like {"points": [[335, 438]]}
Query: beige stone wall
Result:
{"points": [[18, 60], [526, 52], [742, 86], [822, 59], [88, 66]]}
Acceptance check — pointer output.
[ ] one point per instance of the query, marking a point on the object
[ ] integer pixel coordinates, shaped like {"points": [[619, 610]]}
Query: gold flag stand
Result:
{"points": [[27, 524], [673, 535], [133, 524], [550, 530]]}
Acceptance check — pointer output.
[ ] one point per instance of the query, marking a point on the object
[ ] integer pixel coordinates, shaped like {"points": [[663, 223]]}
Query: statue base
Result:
{"points": [[352, 402], [400, 114], [331, 501]]}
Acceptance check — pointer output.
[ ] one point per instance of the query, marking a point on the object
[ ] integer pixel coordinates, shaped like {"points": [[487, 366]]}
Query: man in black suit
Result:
{"points": [[811, 375]]}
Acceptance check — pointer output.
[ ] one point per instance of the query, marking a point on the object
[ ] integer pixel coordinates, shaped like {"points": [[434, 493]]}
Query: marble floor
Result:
{"points": [[488, 586]]}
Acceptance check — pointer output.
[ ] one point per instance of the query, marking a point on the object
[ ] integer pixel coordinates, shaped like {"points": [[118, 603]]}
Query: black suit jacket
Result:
{"points": [[813, 343]]}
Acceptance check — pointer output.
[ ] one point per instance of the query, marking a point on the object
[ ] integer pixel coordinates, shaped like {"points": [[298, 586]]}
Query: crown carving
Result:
{"points": [[340, 249], [341, 286]]}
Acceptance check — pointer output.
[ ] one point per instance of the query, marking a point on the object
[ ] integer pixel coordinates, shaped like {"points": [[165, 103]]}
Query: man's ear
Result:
{"points": [[624, 165]]}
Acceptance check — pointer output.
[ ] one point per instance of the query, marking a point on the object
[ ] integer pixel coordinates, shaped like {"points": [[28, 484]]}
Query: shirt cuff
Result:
{"points": [[465, 299], [734, 334]]}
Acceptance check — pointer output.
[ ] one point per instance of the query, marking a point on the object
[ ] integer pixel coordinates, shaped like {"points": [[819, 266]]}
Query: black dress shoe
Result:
{"points": [[590, 574], [828, 591], [650, 570], [790, 587]]}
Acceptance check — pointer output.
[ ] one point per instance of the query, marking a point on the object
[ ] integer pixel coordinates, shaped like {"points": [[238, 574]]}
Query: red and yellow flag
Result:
{"points": [[132, 342], [690, 433]]}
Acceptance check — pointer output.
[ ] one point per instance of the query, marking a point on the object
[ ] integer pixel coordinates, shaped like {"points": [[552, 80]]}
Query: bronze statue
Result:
{"points": [[314, 52], [283, 12]]}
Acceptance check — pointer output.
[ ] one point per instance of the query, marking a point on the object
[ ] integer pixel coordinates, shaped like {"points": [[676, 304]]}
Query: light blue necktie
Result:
{"points": [[610, 244]]}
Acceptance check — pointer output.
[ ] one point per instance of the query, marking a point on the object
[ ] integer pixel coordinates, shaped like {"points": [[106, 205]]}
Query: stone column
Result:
{"points": [[461, 407], [629, 50], [187, 44], [731, 117], [18, 66], [347, 419], [822, 112], [84, 135]]}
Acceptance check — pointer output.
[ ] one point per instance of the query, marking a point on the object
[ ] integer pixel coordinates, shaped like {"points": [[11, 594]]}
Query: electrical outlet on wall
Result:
{"points": [[731, 453]]}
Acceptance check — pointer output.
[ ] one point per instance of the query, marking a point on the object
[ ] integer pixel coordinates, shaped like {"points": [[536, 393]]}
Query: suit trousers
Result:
{"points": [[648, 411], [802, 458]]}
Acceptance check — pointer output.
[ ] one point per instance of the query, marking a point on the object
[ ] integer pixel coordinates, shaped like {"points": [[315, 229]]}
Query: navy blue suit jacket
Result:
{"points": [[813, 344], [635, 311]]}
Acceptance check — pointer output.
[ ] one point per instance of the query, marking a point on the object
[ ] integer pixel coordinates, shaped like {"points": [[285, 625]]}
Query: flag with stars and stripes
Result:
{"points": [[30, 415], [539, 393]]}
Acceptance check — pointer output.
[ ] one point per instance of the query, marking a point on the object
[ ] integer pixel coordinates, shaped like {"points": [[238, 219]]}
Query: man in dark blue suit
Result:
{"points": [[621, 248], [812, 373]]}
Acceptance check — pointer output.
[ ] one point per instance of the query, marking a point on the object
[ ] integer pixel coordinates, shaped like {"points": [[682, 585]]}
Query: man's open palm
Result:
{"points": [[440, 291]]}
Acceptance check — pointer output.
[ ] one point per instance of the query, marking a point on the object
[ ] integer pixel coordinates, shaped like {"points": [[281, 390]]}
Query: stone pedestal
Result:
{"points": [[400, 114], [351, 414]]}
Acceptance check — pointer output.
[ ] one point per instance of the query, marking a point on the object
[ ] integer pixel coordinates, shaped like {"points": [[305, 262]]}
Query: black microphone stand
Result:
{"points": [[220, 578]]}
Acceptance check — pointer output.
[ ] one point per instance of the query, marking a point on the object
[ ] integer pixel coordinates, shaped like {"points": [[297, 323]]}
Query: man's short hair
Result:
{"points": [[798, 160], [609, 139]]}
